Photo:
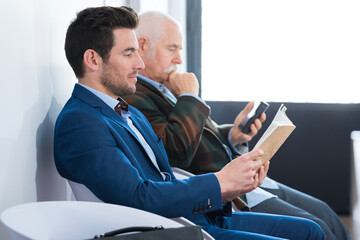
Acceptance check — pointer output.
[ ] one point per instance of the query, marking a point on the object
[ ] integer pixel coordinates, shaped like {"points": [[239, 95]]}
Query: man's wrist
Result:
{"points": [[236, 148]]}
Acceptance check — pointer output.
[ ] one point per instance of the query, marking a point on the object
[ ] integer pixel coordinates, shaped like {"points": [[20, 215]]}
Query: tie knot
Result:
{"points": [[122, 105]]}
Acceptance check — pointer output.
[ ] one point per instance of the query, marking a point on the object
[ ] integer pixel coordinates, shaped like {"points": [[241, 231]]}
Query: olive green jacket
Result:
{"points": [[192, 140]]}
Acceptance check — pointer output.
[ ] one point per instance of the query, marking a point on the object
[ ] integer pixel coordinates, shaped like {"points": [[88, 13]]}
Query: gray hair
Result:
{"points": [[151, 25]]}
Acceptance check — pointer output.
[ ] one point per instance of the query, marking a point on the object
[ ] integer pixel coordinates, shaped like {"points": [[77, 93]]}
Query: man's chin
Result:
{"points": [[131, 90], [126, 92], [163, 79]]}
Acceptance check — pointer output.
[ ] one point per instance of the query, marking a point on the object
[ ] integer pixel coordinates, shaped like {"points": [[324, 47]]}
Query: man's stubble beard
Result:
{"points": [[112, 83]]}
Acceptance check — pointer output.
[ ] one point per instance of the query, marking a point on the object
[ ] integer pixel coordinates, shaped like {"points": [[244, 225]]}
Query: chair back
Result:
{"points": [[82, 193], [180, 173]]}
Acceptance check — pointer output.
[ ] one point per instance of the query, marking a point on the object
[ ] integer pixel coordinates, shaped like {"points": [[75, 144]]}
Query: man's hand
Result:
{"points": [[236, 135], [180, 83], [240, 175]]}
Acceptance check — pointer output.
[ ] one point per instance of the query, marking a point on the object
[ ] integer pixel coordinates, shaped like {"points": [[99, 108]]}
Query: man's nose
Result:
{"points": [[177, 59], [139, 64]]}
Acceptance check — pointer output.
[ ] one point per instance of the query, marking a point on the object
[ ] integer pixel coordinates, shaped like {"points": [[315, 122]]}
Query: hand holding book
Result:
{"points": [[275, 135]]}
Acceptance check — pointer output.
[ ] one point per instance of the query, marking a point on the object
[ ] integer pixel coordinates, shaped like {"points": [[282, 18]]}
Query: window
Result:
{"points": [[281, 51]]}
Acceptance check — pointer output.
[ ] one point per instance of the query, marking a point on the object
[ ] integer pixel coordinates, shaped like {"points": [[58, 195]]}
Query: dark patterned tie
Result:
{"points": [[167, 94], [122, 105]]}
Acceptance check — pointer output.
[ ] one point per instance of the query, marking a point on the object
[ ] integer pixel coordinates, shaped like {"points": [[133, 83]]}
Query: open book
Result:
{"points": [[275, 135]]}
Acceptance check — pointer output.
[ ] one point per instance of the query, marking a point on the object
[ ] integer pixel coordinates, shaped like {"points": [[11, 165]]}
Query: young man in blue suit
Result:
{"points": [[111, 148]]}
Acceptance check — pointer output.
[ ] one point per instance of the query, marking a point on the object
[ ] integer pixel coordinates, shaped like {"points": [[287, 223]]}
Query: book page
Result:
{"points": [[280, 119], [275, 135]]}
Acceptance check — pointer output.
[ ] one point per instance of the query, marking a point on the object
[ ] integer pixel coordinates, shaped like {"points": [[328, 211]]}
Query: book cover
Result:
{"points": [[275, 135]]}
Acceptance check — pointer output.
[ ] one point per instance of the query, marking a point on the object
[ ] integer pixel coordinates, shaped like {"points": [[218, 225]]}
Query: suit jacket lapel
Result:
{"points": [[88, 97], [149, 135], [164, 165]]}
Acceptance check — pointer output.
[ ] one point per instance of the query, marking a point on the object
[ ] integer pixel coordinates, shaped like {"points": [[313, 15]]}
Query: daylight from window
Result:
{"points": [[281, 51]]}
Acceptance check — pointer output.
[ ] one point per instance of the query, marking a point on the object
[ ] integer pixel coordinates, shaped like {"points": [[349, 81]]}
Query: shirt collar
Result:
{"points": [[161, 88], [110, 101], [151, 82]]}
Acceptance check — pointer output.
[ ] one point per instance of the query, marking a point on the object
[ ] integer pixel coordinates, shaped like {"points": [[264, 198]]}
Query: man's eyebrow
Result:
{"points": [[174, 45], [131, 49]]}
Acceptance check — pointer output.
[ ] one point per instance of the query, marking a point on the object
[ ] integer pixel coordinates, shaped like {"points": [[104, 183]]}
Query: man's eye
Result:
{"points": [[128, 54]]}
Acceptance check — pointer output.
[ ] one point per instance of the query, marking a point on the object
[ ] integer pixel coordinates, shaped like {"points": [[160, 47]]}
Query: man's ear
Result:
{"points": [[92, 60], [144, 45]]}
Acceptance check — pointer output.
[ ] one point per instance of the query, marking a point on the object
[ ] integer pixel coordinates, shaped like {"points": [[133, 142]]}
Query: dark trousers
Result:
{"points": [[295, 203]]}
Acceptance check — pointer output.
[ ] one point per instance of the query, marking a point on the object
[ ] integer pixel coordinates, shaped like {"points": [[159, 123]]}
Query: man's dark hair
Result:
{"points": [[93, 29]]}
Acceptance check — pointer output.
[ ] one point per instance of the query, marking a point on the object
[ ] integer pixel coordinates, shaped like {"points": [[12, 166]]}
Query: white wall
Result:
{"points": [[35, 84]]}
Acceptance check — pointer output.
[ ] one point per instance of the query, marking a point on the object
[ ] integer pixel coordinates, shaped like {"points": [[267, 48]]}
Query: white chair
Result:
{"points": [[180, 173], [74, 220], [355, 183], [82, 193]]}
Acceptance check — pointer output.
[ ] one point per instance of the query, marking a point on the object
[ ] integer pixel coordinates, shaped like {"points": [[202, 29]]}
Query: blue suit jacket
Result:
{"points": [[94, 146]]}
